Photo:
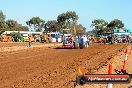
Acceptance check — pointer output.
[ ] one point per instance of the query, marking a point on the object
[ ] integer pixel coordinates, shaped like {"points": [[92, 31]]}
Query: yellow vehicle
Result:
{"points": [[43, 38], [6, 38]]}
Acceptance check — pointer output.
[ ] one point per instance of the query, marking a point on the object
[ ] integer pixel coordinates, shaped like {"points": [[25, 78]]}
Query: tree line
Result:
{"points": [[101, 26], [67, 20], [10, 25]]}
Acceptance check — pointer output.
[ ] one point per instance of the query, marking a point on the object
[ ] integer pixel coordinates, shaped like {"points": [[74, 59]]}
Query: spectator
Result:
{"points": [[85, 41], [30, 41], [128, 39]]}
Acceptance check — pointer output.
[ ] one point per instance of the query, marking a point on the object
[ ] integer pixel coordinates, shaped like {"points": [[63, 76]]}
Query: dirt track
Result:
{"points": [[43, 67]]}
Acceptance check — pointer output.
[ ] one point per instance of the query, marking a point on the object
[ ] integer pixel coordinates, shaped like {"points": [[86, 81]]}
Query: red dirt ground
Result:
{"points": [[117, 65], [42, 67]]}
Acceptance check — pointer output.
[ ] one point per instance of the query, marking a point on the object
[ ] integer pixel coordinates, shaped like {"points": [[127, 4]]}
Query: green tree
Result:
{"points": [[3, 25], [80, 29], [99, 26], [52, 26], [12, 24], [36, 22], [19, 27], [66, 19], [2, 16], [116, 23]]}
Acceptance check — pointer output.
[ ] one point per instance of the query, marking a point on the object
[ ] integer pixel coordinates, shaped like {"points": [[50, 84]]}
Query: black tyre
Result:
{"points": [[81, 46], [37, 40], [75, 44], [112, 41], [80, 80], [42, 41]]}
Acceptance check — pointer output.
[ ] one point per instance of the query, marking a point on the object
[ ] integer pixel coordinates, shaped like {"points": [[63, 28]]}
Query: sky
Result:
{"points": [[87, 10]]}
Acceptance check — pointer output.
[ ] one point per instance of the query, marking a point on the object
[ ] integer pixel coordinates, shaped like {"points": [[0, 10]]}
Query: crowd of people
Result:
{"points": [[114, 39]]}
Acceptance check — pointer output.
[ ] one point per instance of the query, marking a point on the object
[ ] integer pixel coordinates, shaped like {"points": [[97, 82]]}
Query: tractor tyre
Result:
{"points": [[81, 46], [75, 44]]}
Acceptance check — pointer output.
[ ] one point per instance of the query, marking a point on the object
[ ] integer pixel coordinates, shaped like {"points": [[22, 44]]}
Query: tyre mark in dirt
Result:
{"points": [[35, 71], [22, 78], [21, 58], [58, 73], [25, 56]]}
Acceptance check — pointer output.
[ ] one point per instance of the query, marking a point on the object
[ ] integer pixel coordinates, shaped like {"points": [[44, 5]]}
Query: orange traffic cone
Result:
{"points": [[131, 49], [124, 65], [110, 70], [81, 71], [127, 52]]}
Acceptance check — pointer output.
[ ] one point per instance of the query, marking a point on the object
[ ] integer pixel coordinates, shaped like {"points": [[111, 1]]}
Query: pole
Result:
{"points": [[110, 71], [109, 85]]}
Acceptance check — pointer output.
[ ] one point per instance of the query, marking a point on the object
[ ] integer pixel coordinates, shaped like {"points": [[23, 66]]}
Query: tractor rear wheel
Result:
{"points": [[75, 44], [81, 46]]}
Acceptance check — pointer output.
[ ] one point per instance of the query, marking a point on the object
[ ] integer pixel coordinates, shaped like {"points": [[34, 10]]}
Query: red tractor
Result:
{"points": [[68, 44], [72, 43]]}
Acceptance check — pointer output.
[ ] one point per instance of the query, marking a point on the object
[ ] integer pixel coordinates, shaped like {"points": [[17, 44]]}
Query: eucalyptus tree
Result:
{"points": [[36, 22], [66, 19], [99, 25]]}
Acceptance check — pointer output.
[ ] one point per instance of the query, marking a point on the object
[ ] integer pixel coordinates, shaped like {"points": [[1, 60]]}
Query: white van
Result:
{"points": [[25, 36]]}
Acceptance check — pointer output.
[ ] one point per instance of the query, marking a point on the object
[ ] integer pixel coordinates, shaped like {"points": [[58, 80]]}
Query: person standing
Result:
{"points": [[30, 41], [105, 39], [85, 41], [128, 39], [89, 40]]}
